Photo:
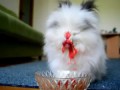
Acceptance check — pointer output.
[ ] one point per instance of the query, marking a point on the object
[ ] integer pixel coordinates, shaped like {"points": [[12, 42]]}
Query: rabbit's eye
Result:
{"points": [[85, 28], [82, 28], [54, 24]]}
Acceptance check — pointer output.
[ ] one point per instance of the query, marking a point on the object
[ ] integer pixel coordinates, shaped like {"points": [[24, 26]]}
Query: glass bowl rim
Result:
{"points": [[38, 73]]}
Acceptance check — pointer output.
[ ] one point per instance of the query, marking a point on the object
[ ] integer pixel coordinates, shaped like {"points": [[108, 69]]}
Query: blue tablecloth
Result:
{"points": [[22, 75]]}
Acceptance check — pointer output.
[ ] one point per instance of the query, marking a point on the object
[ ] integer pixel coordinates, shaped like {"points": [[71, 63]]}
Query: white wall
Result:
{"points": [[109, 11], [110, 14], [12, 5], [42, 9]]}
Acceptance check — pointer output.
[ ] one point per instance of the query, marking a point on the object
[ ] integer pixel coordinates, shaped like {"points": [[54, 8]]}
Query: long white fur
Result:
{"points": [[91, 54]]}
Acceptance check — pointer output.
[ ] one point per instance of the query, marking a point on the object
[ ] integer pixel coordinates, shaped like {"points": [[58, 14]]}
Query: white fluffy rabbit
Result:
{"points": [[83, 24]]}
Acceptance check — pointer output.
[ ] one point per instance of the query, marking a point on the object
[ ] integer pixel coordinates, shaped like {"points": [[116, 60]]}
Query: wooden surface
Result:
{"points": [[112, 42], [113, 47], [110, 34], [16, 88]]}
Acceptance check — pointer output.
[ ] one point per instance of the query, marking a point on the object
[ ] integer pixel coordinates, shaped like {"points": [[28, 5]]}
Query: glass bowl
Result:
{"points": [[64, 80]]}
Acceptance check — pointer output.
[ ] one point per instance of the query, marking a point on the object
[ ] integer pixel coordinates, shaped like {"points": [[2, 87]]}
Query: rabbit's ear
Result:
{"points": [[64, 3], [88, 5]]}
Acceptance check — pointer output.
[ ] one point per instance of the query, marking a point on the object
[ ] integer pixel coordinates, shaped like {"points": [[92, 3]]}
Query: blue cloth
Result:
{"points": [[23, 75]]}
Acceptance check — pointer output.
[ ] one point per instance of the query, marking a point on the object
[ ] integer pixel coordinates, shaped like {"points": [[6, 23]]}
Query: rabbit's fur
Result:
{"points": [[83, 24]]}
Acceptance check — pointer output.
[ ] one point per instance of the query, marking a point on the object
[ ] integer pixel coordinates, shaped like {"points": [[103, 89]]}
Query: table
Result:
{"points": [[112, 43]]}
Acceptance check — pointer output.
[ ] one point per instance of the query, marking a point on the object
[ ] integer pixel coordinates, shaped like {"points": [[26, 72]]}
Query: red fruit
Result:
{"points": [[59, 83], [73, 83], [66, 84], [72, 53], [68, 44], [67, 35]]}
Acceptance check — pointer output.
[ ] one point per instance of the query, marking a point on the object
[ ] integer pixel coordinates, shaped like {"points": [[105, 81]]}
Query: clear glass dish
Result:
{"points": [[66, 81]]}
